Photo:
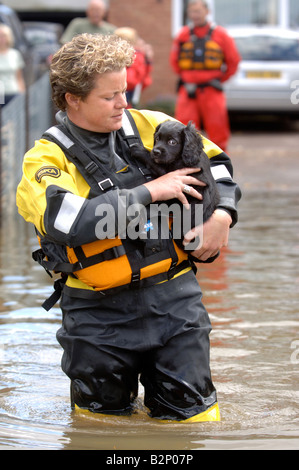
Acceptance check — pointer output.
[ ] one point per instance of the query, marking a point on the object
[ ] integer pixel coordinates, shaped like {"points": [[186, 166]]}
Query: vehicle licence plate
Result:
{"points": [[263, 74]]}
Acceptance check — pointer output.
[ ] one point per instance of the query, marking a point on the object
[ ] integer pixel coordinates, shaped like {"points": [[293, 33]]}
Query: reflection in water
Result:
{"points": [[251, 293]]}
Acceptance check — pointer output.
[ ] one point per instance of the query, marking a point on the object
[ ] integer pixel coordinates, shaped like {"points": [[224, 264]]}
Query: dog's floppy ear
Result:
{"points": [[157, 129], [193, 146]]}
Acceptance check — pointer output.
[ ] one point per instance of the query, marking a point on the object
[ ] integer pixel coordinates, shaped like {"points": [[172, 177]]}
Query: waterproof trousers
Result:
{"points": [[160, 334], [207, 109]]}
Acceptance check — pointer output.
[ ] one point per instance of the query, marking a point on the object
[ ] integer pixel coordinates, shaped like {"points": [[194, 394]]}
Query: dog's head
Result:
{"points": [[175, 142]]}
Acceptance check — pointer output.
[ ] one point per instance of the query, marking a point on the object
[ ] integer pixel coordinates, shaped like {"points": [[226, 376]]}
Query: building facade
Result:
{"points": [[153, 21]]}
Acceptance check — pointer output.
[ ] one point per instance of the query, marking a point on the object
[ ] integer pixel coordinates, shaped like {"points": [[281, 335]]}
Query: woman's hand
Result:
{"points": [[215, 235], [173, 185]]}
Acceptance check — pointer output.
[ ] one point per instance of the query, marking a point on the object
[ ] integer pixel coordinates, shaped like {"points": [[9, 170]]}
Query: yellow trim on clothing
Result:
{"points": [[186, 270], [212, 414], [77, 409]]}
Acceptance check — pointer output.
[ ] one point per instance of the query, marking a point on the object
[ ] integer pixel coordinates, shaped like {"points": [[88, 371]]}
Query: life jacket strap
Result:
{"points": [[58, 288], [55, 266], [107, 255]]}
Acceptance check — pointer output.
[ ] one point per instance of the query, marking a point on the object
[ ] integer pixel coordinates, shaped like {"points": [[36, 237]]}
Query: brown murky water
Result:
{"points": [[252, 295]]}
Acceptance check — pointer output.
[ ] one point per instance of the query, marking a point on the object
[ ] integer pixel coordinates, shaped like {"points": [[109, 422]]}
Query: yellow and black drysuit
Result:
{"points": [[130, 306]]}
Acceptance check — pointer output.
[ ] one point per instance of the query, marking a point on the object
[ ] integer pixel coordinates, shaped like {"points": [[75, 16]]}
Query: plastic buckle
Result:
{"points": [[91, 167], [118, 251], [105, 184], [135, 277]]}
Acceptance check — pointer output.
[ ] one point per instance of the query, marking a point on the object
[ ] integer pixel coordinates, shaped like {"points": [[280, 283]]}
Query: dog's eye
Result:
{"points": [[172, 142]]}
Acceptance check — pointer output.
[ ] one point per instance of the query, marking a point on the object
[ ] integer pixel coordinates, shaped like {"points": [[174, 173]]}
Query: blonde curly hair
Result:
{"points": [[76, 64]]}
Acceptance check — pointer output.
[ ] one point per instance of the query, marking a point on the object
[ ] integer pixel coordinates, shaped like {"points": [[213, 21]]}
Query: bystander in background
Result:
{"points": [[204, 56], [94, 23], [11, 67], [139, 73]]}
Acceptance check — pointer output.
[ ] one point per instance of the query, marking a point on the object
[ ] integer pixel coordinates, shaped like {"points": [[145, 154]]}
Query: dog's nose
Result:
{"points": [[156, 152]]}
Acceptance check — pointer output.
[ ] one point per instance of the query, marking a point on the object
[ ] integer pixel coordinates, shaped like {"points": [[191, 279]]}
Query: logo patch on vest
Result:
{"points": [[47, 171]]}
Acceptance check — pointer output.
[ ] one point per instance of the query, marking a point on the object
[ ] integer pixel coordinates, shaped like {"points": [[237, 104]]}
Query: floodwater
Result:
{"points": [[252, 295]]}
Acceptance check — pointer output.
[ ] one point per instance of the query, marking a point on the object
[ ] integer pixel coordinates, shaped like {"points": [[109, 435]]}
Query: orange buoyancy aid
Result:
{"points": [[200, 53], [121, 265]]}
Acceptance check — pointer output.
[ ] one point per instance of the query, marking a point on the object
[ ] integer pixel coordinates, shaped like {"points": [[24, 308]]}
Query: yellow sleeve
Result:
{"points": [[45, 165]]}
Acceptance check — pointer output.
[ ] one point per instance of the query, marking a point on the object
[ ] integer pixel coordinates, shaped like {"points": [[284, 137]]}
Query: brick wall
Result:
{"points": [[152, 20]]}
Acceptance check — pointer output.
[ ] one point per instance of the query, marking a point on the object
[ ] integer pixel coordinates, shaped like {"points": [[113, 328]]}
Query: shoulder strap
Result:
{"points": [[88, 165], [211, 30], [131, 135], [85, 161], [129, 130]]}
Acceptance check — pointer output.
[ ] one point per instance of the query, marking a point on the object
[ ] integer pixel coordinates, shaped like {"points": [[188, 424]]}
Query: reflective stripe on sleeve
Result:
{"points": [[68, 212], [220, 172]]}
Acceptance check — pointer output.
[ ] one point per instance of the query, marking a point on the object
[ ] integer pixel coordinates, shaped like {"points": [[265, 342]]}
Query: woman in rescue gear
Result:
{"points": [[204, 56], [131, 305]]}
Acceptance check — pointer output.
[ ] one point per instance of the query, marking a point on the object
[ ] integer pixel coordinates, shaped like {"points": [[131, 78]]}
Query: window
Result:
{"points": [[246, 12], [294, 14], [234, 12], [268, 48]]}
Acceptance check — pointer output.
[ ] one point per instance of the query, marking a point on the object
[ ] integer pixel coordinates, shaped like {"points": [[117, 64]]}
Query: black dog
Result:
{"points": [[178, 146]]}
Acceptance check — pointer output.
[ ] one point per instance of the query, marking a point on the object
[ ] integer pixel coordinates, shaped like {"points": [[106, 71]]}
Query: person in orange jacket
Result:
{"points": [[204, 56], [139, 73]]}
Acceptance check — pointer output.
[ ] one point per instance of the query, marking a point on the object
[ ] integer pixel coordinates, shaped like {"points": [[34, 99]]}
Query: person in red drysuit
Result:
{"points": [[204, 56]]}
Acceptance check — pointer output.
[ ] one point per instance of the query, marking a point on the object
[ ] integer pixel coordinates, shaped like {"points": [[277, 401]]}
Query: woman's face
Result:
{"points": [[102, 110]]}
